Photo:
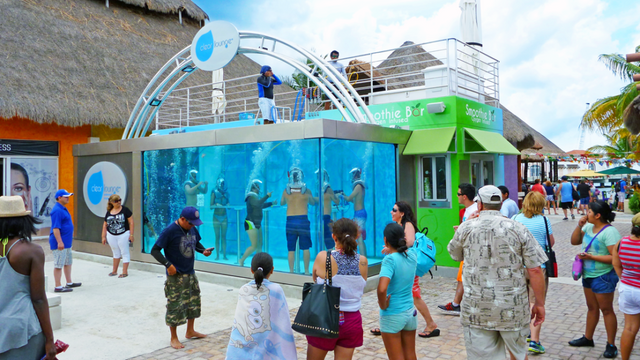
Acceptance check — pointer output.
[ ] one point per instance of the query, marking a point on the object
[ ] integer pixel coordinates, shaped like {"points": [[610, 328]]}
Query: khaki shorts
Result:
{"points": [[183, 299], [489, 344], [62, 258], [532, 296]]}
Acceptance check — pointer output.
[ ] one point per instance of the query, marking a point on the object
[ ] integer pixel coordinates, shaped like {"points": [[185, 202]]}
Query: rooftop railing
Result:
{"points": [[412, 71]]}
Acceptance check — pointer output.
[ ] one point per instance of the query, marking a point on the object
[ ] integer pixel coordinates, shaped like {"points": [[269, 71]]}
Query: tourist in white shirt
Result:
{"points": [[509, 207]]}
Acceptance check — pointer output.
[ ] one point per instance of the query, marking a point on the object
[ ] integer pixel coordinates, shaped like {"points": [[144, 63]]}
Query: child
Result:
{"points": [[398, 315], [262, 327]]}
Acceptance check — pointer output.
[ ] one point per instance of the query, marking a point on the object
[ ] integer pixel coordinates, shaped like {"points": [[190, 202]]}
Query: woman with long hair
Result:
{"points": [[253, 222], [540, 227], [550, 198], [350, 275], [626, 262], [261, 327], [398, 315], [26, 331], [117, 230], [599, 279]]}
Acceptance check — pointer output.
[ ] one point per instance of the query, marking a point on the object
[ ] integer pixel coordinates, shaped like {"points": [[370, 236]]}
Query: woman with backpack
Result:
{"points": [[598, 239], [403, 215], [540, 227]]}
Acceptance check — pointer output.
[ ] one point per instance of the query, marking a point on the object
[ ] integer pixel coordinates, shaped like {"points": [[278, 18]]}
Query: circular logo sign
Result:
{"points": [[215, 45], [103, 180]]}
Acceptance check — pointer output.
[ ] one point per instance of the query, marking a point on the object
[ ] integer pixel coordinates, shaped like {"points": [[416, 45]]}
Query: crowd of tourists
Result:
{"points": [[504, 251]]}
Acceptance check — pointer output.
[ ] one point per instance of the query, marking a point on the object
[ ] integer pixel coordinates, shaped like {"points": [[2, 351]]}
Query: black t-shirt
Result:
{"points": [[584, 190], [118, 224], [179, 247]]}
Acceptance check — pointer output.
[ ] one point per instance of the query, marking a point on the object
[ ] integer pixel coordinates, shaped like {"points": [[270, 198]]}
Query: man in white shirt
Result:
{"points": [[339, 67], [509, 207]]}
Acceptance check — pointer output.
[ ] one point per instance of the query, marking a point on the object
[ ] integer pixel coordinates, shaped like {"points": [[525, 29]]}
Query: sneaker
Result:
{"points": [[72, 285], [583, 341], [529, 338], [536, 347], [610, 352], [566, 218], [450, 309], [63, 289], [573, 217]]}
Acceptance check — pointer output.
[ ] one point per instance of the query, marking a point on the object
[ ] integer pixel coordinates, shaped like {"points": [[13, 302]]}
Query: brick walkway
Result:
{"points": [[565, 309]]}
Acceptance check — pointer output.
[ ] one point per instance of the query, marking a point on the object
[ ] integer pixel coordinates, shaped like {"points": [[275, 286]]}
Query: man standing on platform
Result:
{"points": [[61, 240], [180, 241], [266, 80]]}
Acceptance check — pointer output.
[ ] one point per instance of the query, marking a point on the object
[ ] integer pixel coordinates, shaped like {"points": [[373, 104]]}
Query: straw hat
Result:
{"points": [[12, 206], [635, 221]]}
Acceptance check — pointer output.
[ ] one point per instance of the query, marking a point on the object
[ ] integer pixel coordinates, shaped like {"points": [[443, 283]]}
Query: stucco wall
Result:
{"points": [[24, 129]]}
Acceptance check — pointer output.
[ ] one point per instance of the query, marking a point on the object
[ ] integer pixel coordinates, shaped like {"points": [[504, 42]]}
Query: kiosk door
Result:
{"points": [[482, 171]]}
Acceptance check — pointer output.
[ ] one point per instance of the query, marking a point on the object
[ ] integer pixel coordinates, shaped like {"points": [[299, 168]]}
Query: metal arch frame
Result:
{"points": [[137, 125]]}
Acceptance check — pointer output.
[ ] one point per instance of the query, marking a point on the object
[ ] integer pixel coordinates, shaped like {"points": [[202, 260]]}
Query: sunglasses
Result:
{"points": [[460, 194], [117, 201], [394, 210]]}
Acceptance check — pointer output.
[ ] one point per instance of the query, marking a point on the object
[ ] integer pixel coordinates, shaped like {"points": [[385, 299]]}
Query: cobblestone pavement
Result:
{"points": [[565, 311]]}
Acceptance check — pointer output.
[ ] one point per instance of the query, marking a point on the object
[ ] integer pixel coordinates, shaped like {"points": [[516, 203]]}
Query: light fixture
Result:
{"points": [[155, 102], [188, 68], [436, 108]]}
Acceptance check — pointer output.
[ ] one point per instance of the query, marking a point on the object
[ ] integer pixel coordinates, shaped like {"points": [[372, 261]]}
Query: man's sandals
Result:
{"points": [[434, 333]]}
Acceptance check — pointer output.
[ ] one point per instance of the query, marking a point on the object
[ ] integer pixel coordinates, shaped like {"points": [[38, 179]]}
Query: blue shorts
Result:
{"points": [[298, 227], [584, 201], [405, 321], [328, 240], [604, 284], [360, 217]]}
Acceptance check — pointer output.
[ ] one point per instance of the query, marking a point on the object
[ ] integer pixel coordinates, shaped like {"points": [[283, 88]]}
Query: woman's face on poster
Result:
{"points": [[19, 188]]}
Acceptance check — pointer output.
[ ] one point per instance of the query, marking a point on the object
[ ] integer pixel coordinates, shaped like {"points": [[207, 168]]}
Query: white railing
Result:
{"points": [[416, 71]]}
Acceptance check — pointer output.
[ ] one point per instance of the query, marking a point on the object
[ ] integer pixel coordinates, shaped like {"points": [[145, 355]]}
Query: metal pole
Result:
{"points": [[238, 232], [156, 121], [371, 78], [187, 107]]}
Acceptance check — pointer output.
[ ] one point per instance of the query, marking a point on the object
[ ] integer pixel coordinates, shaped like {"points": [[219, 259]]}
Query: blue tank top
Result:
{"points": [[548, 189], [566, 192]]}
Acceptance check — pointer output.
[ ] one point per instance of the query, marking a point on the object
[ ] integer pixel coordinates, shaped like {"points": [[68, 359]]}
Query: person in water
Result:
{"points": [[297, 198], [253, 222], [359, 213], [220, 199], [193, 188], [328, 196]]}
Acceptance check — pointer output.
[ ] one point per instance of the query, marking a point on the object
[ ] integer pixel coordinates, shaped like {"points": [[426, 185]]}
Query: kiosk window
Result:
{"points": [[434, 178]]}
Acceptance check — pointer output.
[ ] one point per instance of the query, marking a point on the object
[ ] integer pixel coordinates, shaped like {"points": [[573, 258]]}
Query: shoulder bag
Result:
{"points": [[576, 271], [574, 193], [551, 265], [319, 314]]}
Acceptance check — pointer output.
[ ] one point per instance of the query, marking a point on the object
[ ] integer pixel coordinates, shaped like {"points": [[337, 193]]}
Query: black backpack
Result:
{"points": [[617, 187]]}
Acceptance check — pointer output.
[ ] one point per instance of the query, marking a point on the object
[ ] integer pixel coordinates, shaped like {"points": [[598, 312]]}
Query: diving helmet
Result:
{"points": [[296, 183], [355, 175]]}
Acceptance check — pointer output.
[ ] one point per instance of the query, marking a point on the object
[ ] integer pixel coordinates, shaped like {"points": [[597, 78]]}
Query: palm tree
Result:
{"points": [[621, 145], [605, 114]]}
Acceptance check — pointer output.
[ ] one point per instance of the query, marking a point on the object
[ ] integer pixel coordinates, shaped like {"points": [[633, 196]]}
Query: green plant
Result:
{"points": [[634, 203]]}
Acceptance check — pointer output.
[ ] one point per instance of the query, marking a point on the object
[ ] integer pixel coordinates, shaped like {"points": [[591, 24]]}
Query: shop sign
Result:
{"points": [[414, 115], [215, 45], [28, 148], [101, 181]]}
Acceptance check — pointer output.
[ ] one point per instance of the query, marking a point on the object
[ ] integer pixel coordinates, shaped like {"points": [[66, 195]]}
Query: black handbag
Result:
{"points": [[319, 314], [574, 194], [551, 265]]}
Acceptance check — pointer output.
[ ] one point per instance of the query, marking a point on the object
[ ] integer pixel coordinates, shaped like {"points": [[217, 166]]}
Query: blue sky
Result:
{"points": [[548, 49]]}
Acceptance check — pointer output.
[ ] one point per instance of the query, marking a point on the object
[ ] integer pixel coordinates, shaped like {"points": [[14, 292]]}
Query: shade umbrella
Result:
{"points": [[620, 170], [585, 173], [471, 29]]}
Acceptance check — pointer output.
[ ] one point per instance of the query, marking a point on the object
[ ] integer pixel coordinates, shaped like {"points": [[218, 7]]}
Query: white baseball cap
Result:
{"points": [[489, 194]]}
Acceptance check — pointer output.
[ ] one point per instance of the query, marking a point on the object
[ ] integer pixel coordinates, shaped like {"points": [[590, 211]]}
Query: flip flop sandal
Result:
{"points": [[123, 275], [113, 274], [376, 331], [434, 333]]}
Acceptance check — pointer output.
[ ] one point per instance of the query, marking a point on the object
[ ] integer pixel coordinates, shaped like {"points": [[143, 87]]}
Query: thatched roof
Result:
{"points": [[524, 137], [359, 74], [407, 59], [78, 62], [171, 7], [632, 116]]}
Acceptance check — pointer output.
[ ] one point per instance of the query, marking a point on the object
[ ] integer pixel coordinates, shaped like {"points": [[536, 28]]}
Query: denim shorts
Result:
{"points": [[604, 284], [584, 201], [404, 321]]}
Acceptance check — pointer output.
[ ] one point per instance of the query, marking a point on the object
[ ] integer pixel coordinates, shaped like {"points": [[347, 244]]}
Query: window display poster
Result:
{"points": [[36, 181]]}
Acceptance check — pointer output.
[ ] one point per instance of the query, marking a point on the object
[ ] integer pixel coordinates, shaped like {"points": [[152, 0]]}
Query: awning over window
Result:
{"points": [[431, 141], [479, 141]]}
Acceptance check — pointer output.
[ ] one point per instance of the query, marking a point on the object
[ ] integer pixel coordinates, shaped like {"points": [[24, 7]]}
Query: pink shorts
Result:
{"points": [[416, 288], [350, 334]]}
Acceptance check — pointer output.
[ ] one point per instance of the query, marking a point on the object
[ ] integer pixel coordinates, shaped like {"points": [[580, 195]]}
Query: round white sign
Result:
{"points": [[101, 181], [215, 45]]}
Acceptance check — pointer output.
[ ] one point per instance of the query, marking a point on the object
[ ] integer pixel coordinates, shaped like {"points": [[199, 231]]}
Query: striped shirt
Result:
{"points": [[536, 226], [630, 258]]}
